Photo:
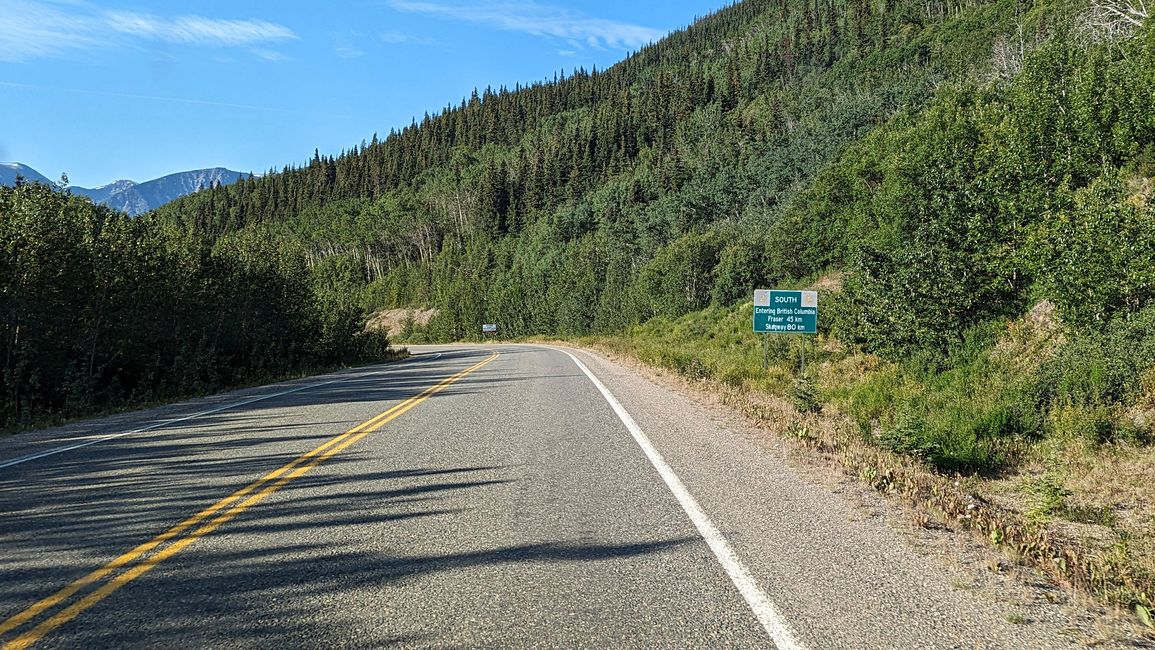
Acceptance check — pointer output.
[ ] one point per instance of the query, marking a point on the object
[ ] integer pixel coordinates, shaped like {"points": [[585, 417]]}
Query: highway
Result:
{"points": [[472, 496]]}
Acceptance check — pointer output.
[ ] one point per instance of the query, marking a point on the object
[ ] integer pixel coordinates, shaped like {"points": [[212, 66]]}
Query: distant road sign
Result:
{"points": [[786, 312], [489, 329]]}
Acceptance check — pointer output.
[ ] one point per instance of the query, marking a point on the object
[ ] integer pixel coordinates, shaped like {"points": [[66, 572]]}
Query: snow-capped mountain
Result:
{"points": [[9, 172], [130, 196], [105, 192]]}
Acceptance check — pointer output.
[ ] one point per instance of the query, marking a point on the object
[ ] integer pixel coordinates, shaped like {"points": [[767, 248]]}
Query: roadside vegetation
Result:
{"points": [[100, 311], [987, 312], [982, 443]]}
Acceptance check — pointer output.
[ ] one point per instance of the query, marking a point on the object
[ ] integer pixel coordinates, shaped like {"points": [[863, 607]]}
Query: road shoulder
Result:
{"points": [[1023, 601]]}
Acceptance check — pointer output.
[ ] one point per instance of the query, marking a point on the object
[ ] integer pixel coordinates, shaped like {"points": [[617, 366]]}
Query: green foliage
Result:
{"points": [[990, 197], [604, 198], [972, 412], [1098, 257], [679, 279], [742, 268], [1085, 386], [1145, 616], [99, 310], [805, 395], [1049, 499]]}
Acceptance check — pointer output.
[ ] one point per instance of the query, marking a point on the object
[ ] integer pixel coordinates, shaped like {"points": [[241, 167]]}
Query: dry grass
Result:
{"points": [[1083, 515], [1141, 189], [1030, 341], [1120, 482], [393, 321]]}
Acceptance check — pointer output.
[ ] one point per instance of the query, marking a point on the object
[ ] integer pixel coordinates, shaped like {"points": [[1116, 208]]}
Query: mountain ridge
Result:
{"points": [[130, 196]]}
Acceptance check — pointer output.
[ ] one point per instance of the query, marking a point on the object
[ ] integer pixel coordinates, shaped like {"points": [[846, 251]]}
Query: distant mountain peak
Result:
{"points": [[118, 185], [130, 196], [9, 171]]}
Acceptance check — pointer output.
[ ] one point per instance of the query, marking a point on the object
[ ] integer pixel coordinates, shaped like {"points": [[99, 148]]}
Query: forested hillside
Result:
{"points": [[686, 175], [100, 311], [604, 198]]}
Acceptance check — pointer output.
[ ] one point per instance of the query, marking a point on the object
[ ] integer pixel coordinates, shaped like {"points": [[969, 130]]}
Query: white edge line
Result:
{"points": [[757, 599], [164, 423]]}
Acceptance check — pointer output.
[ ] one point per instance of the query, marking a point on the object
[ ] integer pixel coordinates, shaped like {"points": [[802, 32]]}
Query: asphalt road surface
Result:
{"points": [[490, 496]]}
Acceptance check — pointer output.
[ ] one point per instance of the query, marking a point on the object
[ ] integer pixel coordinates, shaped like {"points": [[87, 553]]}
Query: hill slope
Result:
{"points": [[542, 207]]}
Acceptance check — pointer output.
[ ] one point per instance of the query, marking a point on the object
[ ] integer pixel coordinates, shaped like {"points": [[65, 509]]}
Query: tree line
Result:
{"points": [[100, 311]]}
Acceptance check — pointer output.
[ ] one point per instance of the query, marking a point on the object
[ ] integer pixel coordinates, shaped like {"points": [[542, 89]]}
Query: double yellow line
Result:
{"points": [[201, 524]]}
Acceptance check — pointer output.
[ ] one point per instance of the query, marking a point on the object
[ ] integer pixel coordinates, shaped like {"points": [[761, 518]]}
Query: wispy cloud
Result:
{"points": [[394, 37], [35, 29], [347, 48], [266, 54], [32, 29], [195, 30], [348, 52], [540, 20]]}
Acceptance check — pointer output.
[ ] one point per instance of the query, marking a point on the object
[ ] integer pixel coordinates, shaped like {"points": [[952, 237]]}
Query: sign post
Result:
{"points": [[765, 352], [784, 312], [489, 329]]}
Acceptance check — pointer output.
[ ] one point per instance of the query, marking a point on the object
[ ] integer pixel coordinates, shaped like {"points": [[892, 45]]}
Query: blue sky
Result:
{"points": [[111, 90]]}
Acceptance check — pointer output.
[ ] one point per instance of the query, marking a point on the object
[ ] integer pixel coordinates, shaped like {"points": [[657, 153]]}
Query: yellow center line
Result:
{"points": [[140, 550], [272, 482]]}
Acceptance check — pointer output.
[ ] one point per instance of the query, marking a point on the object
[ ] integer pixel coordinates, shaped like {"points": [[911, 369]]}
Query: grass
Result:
{"points": [[970, 418], [982, 442], [1048, 499]]}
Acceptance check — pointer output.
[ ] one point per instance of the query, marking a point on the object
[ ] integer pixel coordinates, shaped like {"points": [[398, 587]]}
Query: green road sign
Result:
{"points": [[786, 312]]}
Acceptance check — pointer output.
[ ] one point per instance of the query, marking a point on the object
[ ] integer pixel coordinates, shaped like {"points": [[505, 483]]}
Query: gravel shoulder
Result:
{"points": [[882, 574]]}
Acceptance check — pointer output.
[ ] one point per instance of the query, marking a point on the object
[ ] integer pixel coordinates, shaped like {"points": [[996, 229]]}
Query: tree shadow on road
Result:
{"points": [[295, 572]]}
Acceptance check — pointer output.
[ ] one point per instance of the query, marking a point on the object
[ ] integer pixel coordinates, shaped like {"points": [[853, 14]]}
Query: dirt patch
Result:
{"points": [[1032, 341], [1141, 189], [393, 321], [829, 283]]}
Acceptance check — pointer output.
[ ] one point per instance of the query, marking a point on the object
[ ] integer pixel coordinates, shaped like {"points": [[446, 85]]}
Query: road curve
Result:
{"points": [[473, 496]]}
